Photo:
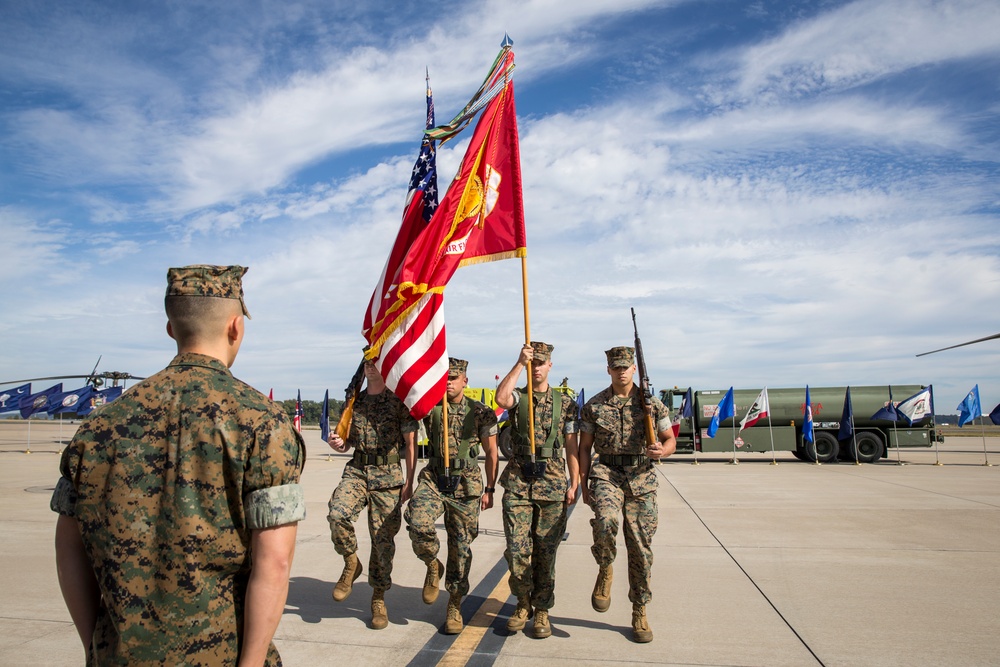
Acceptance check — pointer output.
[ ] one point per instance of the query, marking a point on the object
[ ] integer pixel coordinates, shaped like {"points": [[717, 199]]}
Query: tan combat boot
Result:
{"points": [[380, 617], [640, 626], [601, 599], [520, 616], [352, 570], [453, 622], [432, 582], [541, 629]]}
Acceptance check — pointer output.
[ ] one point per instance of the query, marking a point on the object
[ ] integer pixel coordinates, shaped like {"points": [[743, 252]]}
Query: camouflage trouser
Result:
{"points": [[534, 529], [384, 521], [461, 522], [640, 517]]}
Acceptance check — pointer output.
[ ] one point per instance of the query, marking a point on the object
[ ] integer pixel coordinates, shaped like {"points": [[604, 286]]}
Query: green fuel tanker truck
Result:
{"points": [[869, 443]]}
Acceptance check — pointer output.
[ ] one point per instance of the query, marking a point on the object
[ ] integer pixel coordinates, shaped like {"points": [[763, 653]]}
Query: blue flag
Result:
{"points": [[69, 401], [888, 413], [324, 418], [685, 411], [580, 402], [10, 399], [995, 415], [807, 418], [39, 402], [725, 410], [97, 399], [969, 407], [846, 419]]}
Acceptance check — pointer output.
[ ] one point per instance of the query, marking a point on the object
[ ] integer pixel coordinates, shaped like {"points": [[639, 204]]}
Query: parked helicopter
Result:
{"points": [[94, 379]]}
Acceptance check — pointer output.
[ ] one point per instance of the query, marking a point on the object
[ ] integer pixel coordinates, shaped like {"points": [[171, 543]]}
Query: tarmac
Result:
{"points": [[756, 564]]}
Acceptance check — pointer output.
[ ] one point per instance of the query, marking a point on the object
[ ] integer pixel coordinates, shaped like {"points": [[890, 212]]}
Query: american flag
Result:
{"points": [[421, 202]]}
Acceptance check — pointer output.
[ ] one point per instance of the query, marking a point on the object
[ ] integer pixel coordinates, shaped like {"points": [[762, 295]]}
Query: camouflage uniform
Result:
{"points": [[628, 491], [461, 512], [166, 483], [380, 420], [534, 513]]}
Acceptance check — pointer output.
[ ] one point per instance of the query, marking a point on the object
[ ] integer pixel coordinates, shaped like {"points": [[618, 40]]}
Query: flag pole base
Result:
{"points": [[27, 451], [817, 463], [900, 463], [773, 462], [857, 463], [696, 462], [733, 462], [938, 463], [986, 465]]}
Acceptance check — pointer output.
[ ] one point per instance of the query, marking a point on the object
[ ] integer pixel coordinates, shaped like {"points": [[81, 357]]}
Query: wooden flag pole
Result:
{"points": [[527, 341]]}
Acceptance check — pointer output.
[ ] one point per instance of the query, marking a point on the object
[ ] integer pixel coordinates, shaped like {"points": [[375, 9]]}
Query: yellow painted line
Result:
{"points": [[465, 644]]}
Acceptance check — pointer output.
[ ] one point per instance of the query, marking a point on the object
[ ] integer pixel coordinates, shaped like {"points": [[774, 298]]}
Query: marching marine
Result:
{"points": [[453, 486], [537, 492], [382, 434], [623, 482]]}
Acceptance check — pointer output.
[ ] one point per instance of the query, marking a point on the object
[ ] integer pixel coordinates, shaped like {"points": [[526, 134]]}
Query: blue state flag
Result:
{"points": [[324, 418], [847, 418], [580, 402], [887, 413], [725, 410], [970, 407], [39, 402], [69, 401], [995, 415], [97, 399], [685, 411], [10, 399], [807, 418]]}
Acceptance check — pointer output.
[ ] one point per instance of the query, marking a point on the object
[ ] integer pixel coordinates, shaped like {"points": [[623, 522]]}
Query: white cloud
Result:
{"points": [[866, 40]]}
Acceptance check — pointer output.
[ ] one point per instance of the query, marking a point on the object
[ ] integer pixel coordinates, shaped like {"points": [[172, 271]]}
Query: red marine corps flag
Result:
{"points": [[480, 219]]}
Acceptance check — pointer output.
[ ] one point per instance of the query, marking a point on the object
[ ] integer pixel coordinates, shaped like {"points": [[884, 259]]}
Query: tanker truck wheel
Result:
{"points": [[825, 448], [869, 447]]}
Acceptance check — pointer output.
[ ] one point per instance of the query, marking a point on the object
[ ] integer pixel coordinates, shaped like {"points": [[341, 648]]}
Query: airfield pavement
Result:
{"points": [[756, 564]]}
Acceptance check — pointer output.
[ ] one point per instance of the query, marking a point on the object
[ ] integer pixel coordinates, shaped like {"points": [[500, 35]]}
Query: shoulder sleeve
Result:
{"points": [[662, 414], [486, 420], [64, 496], [588, 420], [569, 415], [272, 495]]}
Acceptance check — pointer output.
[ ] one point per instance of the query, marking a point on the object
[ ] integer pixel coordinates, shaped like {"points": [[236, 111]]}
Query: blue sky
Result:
{"points": [[786, 192]]}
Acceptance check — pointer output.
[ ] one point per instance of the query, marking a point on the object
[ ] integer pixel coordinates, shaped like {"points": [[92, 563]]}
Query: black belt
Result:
{"points": [[437, 463], [621, 460], [524, 451], [362, 459]]}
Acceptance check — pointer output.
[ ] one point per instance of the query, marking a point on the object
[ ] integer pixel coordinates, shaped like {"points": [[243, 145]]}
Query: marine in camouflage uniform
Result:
{"points": [[470, 425], [382, 434], [623, 482], [174, 494], [535, 508]]}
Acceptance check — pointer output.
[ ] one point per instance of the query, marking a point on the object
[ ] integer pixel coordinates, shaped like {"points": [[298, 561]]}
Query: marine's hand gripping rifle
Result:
{"points": [[351, 393], [644, 386]]}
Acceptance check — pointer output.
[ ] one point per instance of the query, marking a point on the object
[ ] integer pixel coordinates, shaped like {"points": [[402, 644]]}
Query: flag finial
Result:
{"points": [[507, 42]]}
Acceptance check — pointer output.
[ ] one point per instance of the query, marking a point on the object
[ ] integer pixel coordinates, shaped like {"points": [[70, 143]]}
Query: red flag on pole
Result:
{"points": [[270, 394], [481, 219], [297, 422]]}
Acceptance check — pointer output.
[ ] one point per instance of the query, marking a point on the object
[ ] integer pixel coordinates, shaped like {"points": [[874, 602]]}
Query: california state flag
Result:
{"points": [[756, 412]]}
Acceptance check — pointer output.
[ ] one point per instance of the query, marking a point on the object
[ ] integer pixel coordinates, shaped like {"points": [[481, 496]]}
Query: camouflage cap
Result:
{"points": [[457, 366], [224, 282], [620, 357], [543, 351]]}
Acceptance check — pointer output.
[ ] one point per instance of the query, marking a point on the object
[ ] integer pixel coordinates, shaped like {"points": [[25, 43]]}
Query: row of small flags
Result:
{"points": [[914, 409], [54, 400]]}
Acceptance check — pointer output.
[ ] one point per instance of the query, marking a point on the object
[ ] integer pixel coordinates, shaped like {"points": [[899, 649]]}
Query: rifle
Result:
{"points": [[644, 387], [351, 393]]}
